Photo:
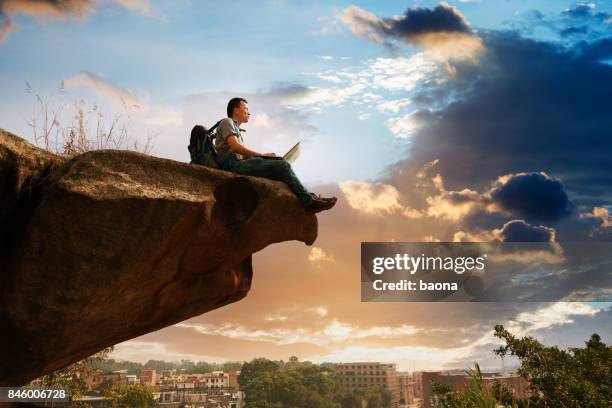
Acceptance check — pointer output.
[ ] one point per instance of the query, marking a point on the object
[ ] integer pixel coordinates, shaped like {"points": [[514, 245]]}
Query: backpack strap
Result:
{"points": [[210, 131]]}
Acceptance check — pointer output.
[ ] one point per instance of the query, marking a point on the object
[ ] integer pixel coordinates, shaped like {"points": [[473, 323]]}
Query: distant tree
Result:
{"points": [[577, 377], [254, 369], [109, 365], [136, 395], [231, 366], [352, 399], [159, 365]]}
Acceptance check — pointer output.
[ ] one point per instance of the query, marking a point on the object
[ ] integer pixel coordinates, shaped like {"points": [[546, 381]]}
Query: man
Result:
{"points": [[237, 158]]}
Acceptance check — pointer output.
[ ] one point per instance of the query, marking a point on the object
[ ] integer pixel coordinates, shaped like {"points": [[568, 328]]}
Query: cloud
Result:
{"points": [[600, 214], [453, 205], [518, 231], [48, 8], [555, 314], [508, 116], [521, 231], [7, 26], [121, 97], [317, 255], [126, 100], [596, 224], [56, 10], [364, 84], [317, 98], [443, 29], [532, 195], [408, 358], [143, 351], [444, 18], [511, 231], [319, 311], [406, 125], [375, 198], [584, 11], [138, 5], [330, 332]]}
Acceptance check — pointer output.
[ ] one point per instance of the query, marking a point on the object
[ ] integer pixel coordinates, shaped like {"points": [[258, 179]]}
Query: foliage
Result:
{"points": [[577, 377], [70, 377], [136, 395], [475, 395], [185, 366], [296, 384]]}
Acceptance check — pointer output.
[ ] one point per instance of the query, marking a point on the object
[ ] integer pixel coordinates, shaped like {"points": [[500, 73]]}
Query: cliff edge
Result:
{"points": [[110, 245]]}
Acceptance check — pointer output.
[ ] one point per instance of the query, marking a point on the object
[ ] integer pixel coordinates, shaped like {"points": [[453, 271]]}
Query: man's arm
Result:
{"points": [[236, 147]]}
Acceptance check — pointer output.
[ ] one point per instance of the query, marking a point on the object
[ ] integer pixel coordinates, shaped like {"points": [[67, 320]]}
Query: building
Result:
{"points": [[216, 379], [365, 375], [147, 376], [233, 380], [406, 386], [132, 379]]}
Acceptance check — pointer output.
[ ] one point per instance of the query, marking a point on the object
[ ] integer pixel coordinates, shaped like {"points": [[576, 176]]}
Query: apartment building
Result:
{"points": [[364, 375]]}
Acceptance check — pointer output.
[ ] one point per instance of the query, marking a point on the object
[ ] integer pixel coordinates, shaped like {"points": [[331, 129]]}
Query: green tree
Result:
{"points": [[475, 395], [254, 369], [136, 395], [70, 377], [577, 377]]}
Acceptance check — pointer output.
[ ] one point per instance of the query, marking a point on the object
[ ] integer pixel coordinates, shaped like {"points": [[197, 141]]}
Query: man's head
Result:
{"points": [[238, 109]]}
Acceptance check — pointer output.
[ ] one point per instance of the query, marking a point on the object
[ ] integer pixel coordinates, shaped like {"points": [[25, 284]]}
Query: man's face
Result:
{"points": [[241, 113]]}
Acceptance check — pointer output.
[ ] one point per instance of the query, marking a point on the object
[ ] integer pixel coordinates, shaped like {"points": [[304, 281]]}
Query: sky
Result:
{"points": [[431, 121]]}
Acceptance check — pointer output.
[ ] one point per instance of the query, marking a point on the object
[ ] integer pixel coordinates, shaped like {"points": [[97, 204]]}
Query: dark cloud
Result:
{"points": [[55, 9], [529, 106], [599, 50], [573, 30], [520, 231], [534, 196], [47, 8], [575, 25], [443, 28], [585, 11], [417, 21]]}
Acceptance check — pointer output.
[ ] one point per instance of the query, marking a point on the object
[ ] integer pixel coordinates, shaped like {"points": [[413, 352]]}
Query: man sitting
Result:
{"points": [[237, 158]]}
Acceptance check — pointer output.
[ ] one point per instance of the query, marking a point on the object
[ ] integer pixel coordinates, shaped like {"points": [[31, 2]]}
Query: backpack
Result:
{"points": [[201, 147]]}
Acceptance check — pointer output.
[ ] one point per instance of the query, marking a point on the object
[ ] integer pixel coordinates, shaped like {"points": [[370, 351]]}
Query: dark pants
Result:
{"points": [[274, 169]]}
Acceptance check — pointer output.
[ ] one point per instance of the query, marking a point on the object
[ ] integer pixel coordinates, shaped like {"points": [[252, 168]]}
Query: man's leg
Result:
{"points": [[276, 170]]}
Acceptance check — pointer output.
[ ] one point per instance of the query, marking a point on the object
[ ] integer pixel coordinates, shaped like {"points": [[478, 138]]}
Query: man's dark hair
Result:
{"points": [[232, 104]]}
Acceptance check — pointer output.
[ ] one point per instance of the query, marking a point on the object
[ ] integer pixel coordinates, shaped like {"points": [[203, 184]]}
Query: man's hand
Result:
{"points": [[269, 154]]}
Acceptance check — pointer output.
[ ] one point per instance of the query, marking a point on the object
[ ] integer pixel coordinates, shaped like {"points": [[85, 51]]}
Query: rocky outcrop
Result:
{"points": [[110, 245]]}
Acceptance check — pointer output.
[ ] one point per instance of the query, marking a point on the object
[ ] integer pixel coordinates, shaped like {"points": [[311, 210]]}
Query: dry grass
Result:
{"points": [[87, 129]]}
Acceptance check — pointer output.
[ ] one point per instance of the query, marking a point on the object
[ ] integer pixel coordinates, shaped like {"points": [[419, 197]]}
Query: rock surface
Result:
{"points": [[110, 245]]}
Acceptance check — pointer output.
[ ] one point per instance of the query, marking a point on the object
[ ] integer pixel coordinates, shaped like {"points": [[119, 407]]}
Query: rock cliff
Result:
{"points": [[110, 245]]}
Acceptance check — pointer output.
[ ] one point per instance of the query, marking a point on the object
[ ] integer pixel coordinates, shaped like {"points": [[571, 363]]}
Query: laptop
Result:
{"points": [[290, 156], [293, 153]]}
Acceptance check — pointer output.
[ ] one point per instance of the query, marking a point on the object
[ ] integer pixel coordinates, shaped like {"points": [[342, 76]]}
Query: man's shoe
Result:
{"points": [[320, 197], [319, 204]]}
